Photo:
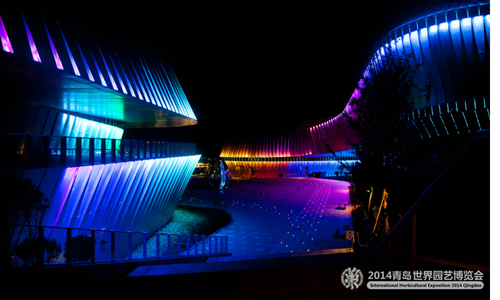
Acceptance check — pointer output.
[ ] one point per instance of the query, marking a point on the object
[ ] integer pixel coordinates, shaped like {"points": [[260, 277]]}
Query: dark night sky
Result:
{"points": [[247, 66]]}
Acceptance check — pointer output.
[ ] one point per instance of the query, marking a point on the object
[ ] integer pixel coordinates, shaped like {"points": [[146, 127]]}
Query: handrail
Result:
{"points": [[183, 245], [410, 216], [413, 208], [362, 240], [33, 151]]}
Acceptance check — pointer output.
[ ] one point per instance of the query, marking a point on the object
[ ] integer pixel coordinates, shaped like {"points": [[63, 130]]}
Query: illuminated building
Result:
{"points": [[67, 98], [451, 46]]}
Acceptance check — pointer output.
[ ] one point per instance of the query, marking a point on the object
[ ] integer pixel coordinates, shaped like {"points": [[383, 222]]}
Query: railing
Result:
{"points": [[399, 246], [77, 245], [35, 151]]}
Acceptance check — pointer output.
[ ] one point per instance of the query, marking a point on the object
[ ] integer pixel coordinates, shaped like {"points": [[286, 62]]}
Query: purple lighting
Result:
{"points": [[54, 51], [75, 68], [6, 46], [89, 73], [34, 51]]}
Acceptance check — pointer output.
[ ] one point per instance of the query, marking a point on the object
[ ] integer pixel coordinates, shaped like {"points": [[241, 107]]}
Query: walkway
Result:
{"points": [[280, 215]]}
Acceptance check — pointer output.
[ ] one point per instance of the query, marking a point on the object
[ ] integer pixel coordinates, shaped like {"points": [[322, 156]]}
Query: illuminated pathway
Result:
{"points": [[282, 215]]}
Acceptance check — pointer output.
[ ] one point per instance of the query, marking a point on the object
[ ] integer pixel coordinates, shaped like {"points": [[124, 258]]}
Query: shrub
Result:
{"points": [[27, 250], [81, 248]]}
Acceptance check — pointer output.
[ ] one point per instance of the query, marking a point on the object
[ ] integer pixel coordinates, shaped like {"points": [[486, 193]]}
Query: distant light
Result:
{"points": [[455, 24], [443, 26], [478, 20], [53, 48], [423, 32], [433, 29], [34, 51], [466, 22]]}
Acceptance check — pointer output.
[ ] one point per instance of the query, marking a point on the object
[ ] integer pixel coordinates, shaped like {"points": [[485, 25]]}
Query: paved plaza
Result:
{"points": [[271, 216]]}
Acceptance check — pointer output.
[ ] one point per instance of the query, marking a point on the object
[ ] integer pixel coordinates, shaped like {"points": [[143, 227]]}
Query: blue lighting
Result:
{"points": [[118, 75], [119, 196], [107, 69], [444, 125], [73, 63], [478, 21], [443, 26], [487, 25], [126, 78], [53, 48], [433, 125], [89, 73], [103, 82], [416, 46], [465, 119], [466, 22], [456, 127], [477, 119], [140, 83]]}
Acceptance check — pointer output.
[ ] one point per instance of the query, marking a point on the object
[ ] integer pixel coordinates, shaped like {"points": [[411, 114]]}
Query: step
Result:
{"points": [[246, 263]]}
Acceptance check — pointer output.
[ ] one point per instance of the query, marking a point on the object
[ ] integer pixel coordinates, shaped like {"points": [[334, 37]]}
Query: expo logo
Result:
{"points": [[352, 278]]}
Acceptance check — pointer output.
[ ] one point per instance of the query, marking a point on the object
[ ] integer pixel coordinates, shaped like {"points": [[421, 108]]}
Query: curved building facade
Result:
{"points": [[449, 46], [68, 96]]}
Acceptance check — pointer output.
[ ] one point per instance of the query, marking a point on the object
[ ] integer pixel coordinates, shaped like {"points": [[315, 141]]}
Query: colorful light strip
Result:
{"points": [[73, 63], [103, 82], [6, 45], [426, 45], [145, 78], [57, 60], [129, 196], [72, 126], [34, 51], [107, 69], [118, 75], [89, 72], [126, 78]]}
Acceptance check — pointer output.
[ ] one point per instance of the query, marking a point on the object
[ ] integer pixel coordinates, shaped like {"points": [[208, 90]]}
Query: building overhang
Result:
{"points": [[33, 82]]}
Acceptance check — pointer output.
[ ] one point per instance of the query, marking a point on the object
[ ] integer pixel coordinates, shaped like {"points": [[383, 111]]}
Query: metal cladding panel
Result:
{"points": [[83, 74], [128, 196], [275, 169], [454, 74], [450, 52]]}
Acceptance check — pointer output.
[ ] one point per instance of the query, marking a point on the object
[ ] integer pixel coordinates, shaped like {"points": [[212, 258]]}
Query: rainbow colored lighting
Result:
{"points": [[430, 49], [129, 69]]}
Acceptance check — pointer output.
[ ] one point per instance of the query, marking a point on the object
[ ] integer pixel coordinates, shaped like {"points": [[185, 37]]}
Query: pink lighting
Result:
{"points": [[6, 46]]}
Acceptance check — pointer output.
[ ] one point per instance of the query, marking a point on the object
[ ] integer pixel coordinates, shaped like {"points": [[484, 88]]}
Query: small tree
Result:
{"points": [[251, 171], [23, 204], [81, 248], [219, 202], [387, 159], [26, 250]]}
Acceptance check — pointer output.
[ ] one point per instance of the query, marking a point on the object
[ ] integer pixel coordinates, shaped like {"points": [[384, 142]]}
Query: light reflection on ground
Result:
{"points": [[282, 215]]}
